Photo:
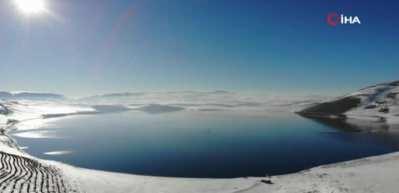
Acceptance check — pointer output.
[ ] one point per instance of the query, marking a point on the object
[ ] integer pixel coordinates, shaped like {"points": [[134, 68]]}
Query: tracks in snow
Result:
{"points": [[23, 175]]}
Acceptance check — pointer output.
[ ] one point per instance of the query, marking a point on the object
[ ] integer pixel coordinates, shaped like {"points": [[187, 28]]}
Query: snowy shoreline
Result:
{"points": [[22, 171]]}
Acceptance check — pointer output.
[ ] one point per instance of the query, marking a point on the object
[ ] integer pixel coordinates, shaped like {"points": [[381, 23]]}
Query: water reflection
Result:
{"points": [[383, 132], [216, 144]]}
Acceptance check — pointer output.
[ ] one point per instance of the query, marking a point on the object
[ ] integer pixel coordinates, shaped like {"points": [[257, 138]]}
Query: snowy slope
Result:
{"points": [[3, 112], [376, 174], [27, 112], [30, 96], [375, 103]]}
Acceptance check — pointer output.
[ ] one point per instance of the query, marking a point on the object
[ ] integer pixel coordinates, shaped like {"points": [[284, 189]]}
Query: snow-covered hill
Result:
{"points": [[173, 97], [3, 112], [29, 96], [3, 109], [14, 111], [375, 103]]}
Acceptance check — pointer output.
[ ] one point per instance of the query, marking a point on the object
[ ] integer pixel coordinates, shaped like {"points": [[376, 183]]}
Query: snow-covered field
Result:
{"points": [[375, 174], [20, 172]]}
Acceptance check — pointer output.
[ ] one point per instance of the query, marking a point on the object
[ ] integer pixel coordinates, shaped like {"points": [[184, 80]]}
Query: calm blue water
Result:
{"points": [[202, 144]]}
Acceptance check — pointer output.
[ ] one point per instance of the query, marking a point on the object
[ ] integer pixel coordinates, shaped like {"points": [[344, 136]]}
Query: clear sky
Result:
{"points": [[83, 47]]}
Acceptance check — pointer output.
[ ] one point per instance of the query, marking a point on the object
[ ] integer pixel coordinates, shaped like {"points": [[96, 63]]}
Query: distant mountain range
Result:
{"points": [[136, 94], [163, 97], [30, 96], [379, 103]]}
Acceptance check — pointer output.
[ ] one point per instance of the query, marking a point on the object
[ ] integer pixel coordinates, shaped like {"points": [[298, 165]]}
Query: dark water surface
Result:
{"points": [[201, 144]]}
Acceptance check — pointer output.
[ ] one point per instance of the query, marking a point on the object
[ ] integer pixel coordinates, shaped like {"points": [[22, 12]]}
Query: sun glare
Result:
{"points": [[31, 7]]}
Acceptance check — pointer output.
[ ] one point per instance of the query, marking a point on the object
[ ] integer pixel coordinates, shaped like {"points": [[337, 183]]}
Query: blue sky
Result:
{"points": [[97, 46]]}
